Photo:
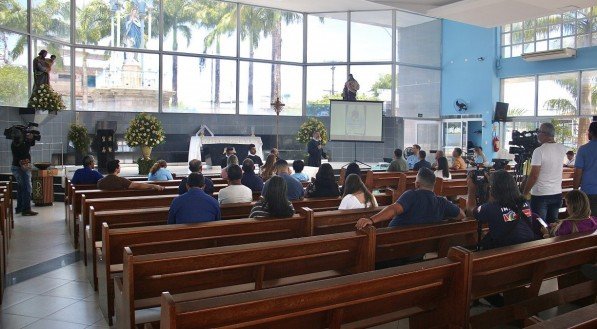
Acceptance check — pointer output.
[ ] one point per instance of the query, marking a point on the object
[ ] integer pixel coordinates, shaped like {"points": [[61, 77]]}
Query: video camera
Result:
{"points": [[524, 143], [480, 178], [18, 132]]}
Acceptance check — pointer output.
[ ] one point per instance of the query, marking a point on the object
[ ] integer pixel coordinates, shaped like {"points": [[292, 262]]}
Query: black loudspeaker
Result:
{"points": [[106, 146], [501, 112]]}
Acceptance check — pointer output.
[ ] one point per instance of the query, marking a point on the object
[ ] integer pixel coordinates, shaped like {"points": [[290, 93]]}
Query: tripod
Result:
{"points": [[355, 157]]}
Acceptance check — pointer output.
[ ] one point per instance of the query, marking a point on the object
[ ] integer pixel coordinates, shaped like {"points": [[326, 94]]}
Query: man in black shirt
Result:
{"points": [[253, 155], [195, 166], [21, 169], [315, 150]]}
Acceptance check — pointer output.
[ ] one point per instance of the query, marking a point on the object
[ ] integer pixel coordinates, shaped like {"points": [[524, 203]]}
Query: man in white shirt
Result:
{"points": [[236, 192], [545, 180], [570, 159]]}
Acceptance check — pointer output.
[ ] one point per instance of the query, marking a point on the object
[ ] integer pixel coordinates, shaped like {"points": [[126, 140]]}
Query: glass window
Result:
{"points": [[418, 39], [257, 92], [60, 75], [13, 14], [326, 37], [271, 34], [129, 24], [519, 93], [201, 85], [371, 36], [14, 70], [117, 81], [588, 93], [558, 94], [417, 92], [51, 18], [324, 83], [374, 81]]}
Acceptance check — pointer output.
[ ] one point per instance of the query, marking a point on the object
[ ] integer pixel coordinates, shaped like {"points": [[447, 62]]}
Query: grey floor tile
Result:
{"points": [[40, 306], [72, 272], [12, 297], [74, 289], [87, 313], [12, 321], [52, 324], [39, 285]]}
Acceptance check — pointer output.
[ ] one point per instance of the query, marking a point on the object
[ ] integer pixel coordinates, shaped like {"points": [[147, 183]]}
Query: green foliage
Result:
{"points": [[144, 165], [144, 130], [383, 82], [306, 130], [13, 85], [79, 136]]}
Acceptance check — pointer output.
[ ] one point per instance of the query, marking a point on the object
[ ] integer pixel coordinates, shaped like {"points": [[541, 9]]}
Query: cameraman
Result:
{"points": [[545, 180], [21, 169]]}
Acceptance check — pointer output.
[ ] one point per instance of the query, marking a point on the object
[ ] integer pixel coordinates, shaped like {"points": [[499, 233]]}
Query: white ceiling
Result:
{"points": [[315, 6]]}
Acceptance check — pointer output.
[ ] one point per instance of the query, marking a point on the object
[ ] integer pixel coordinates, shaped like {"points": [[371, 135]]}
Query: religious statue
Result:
{"points": [[133, 29], [41, 70], [349, 93]]}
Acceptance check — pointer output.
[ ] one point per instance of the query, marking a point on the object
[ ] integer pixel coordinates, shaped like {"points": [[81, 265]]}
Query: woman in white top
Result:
{"points": [[356, 195], [443, 169]]}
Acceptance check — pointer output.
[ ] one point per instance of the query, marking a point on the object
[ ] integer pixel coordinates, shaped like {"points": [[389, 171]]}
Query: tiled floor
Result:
{"points": [[58, 299]]}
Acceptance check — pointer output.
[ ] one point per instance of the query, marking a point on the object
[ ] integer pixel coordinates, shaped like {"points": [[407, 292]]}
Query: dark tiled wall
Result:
{"points": [[188, 124]]}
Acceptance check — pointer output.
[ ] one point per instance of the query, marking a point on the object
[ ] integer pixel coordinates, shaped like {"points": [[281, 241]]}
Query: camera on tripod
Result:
{"points": [[19, 132], [524, 143]]}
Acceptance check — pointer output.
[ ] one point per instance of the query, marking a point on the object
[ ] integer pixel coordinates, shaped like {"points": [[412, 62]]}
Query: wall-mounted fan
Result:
{"points": [[460, 105]]}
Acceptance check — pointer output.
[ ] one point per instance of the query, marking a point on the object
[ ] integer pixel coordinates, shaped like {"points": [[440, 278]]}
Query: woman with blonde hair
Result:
{"points": [[267, 170], [232, 160], [356, 195], [579, 215], [158, 172]]}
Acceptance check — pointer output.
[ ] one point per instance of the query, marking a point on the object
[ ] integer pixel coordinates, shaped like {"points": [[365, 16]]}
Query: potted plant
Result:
{"points": [[79, 137], [145, 131], [306, 130], [43, 105]]}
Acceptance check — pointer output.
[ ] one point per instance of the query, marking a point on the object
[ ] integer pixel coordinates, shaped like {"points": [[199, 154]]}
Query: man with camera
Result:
{"points": [[545, 180], [22, 140]]}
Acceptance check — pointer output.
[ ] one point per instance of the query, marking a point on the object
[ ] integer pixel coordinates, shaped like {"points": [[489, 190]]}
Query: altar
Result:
{"points": [[218, 143]]}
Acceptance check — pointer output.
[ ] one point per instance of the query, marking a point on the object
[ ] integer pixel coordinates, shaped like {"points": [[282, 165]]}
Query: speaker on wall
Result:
{"points": [[501, 112]]}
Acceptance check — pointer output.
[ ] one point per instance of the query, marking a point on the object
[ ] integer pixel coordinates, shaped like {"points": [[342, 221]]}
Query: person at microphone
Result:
{"points": [[315, 150]]}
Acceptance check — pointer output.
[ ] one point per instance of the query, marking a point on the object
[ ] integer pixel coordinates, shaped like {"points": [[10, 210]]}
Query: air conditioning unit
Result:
{"points": [[549, 54]]}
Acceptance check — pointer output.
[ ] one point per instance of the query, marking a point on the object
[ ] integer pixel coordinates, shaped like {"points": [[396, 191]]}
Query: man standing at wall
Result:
{"points": [[585, 168]]}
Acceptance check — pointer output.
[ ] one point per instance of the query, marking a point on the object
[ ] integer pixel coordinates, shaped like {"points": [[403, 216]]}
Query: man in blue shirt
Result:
{"points": [[87, 175], [585, 168], [195, 166], [422, 162], [295, 188], [413, 158], [195, 206], [250, 179], [418, 206]]}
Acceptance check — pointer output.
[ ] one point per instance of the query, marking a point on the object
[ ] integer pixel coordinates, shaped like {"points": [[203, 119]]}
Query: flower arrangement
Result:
{"points": [[79, 136], [144, 130], [306, 130], [45, 98]]}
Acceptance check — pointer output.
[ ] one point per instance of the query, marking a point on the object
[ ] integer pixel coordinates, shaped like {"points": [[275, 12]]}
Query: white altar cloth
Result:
{"points": [[198, 141]]}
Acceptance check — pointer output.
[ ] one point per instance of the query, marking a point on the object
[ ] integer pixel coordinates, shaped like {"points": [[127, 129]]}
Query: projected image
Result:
{"points": [[356, 121]]}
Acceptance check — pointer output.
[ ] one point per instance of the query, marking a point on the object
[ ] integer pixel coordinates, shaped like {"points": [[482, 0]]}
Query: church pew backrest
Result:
{"points": [[229, 269], [428, 293], [582, 318], [335, 221]]}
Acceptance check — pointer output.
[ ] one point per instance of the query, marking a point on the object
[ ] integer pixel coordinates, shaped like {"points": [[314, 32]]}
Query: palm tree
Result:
{"points": [[289, 18], [93, 24], [14, 16]]}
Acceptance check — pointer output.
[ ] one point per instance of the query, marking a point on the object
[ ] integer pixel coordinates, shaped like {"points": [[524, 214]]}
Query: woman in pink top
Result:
{"points": [[579, 215]]}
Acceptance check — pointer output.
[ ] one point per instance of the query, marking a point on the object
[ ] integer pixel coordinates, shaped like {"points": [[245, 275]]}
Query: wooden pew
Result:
{"points": [[2, 267], [582, 318], [95, 194], [428, 293], [9, 203], [450, 187], [519, 271], [197, 274]]}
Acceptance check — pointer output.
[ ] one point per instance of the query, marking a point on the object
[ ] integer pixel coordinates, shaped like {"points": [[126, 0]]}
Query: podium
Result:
{"points": [[42, 182]]}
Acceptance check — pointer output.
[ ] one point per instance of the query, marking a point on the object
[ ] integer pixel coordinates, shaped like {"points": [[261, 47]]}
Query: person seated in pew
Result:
{"points": [[506, 213], [236, 192], [413, 158], [351, 168], [195, 166], [438, 154], [253, 155], [325, 183], [298, 166], [579, 216], [418, 206], [570, 159], [458, 162], [356, 195], [398, 164], [113, 182], [422, 162], [227, 152], [232, 160], [273, 202], [268, 169], [480, 158], [443, 170], [294, 188], [275, 152], [195, 206], [87, 175], [158, 172], [250, 179]]}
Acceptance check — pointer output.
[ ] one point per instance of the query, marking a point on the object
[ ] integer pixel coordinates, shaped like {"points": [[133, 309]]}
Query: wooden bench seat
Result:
{"points": [[424, 292], [230, 269], [582, 318]]}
